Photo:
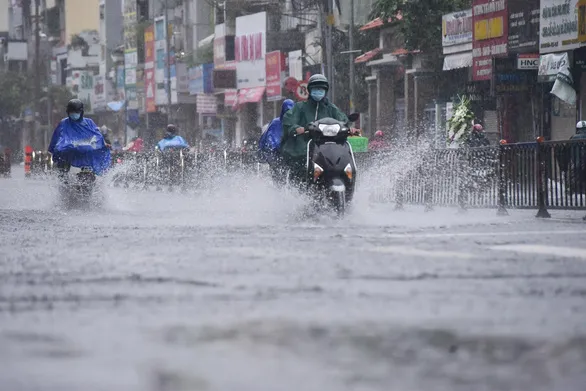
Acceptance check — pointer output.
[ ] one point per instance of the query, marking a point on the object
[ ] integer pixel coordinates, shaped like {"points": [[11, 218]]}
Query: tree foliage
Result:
{"points": [[421, 24], [15, 93], [59, 96]]}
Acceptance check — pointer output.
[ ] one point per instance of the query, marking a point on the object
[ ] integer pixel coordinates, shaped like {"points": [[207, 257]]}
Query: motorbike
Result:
{"points": [[331, 167], [172, 165], [77, 190]]}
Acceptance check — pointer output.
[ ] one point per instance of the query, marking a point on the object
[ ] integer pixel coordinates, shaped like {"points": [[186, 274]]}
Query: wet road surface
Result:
{"points": [[233, 289]]}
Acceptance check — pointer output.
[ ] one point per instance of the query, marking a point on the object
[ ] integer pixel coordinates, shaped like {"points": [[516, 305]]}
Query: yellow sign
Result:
{"points": [[581, 20], [488, 28], [331, 20]]}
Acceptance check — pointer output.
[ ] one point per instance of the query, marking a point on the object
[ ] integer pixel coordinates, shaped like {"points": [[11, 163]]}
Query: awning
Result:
{"points": [[250, 95], [457, 61], [367, 56], [206, 41], [404, 52], [116, 105], [378, 22]]}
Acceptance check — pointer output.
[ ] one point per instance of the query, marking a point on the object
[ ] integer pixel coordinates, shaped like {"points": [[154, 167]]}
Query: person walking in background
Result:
{"points": [[477, 137], [378, 142]]}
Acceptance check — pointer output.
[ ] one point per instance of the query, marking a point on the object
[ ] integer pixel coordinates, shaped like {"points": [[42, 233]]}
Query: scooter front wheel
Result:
{"points": [[339, 198]]}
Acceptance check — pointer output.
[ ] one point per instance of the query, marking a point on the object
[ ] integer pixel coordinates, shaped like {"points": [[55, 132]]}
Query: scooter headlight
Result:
{"points": [[329, 130]]}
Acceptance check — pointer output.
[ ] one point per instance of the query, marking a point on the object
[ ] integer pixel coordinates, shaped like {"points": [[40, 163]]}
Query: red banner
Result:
{"points": [[275, 64], [150, 85], [230, 97], [491, 35]]}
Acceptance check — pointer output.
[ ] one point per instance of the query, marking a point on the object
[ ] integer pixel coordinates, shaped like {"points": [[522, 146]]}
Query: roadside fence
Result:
{"points": [[539, 175]]}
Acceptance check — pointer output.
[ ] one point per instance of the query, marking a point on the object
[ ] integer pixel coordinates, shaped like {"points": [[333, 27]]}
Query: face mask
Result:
{"points": [[75, 116], [318, 94]]}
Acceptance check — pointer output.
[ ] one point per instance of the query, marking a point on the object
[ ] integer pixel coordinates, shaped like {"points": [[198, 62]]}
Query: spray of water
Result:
{"points": [[240, 195]]}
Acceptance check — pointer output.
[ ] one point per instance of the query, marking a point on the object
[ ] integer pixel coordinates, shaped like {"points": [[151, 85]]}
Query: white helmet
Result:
{"points": [[581, 125]]}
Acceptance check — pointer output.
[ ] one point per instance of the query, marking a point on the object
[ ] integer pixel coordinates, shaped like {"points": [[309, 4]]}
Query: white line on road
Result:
{"points": [[420, 253], [566, 252], [482, 234]]}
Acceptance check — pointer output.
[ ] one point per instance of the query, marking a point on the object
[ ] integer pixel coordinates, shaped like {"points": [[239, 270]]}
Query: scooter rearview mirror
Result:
{"points": [[353, 117]]}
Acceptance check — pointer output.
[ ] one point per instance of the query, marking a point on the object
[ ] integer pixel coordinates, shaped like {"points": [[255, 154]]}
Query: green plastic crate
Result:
{"points": [[359, 144]]}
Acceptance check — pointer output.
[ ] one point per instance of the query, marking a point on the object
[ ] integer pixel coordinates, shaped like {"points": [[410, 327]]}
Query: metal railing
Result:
{"points": [[538, 175]]}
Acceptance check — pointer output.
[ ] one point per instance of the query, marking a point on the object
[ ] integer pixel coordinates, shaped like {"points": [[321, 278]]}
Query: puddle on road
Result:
{"points": [[377, 357]]}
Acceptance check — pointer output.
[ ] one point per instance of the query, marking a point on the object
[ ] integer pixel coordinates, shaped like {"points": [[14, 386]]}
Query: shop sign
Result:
{"points": [[120, 76], [224, 78], [84, 81], [523, 25], [129, 8], [580, 59], [207, 104], [490, 36], [150, 84], [457, 28], [99, 92], [130, 76], [275, 66], [249, 50], [200, 79], [508, 79], [528, 61], [559, 25], [296, 64], [478, 92], [230, 97], [550, 65]]}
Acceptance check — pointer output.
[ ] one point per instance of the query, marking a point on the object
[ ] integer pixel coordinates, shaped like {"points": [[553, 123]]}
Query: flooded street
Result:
{"points": [[236, 289]]}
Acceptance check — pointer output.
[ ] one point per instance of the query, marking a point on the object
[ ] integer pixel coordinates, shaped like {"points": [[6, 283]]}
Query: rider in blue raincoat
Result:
{"points": [[77, 142], [172, 140], [270, 142]]}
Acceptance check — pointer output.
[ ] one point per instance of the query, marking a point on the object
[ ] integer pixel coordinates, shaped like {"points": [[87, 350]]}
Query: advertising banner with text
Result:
{"points": [[490, 36]]}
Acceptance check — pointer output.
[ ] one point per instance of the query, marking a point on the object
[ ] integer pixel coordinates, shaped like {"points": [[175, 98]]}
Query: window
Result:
{"points": [[160, 30]]}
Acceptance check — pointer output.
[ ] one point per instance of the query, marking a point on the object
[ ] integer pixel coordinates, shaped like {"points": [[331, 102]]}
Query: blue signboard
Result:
{"points": [[200, 79], [120, 76]]}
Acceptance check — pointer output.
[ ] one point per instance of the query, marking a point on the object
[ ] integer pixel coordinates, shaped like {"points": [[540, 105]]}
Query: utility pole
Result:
{"points": [[168, 62], [49, 76], [37, 76], [351, 49], [329, 47]]}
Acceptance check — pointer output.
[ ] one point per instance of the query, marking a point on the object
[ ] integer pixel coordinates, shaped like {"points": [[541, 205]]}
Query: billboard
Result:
{"points": [[250, 49], [149, 69], [558, 21], [490, 38], [457, 28], [523, 25], [275, 67], [130, 53]]}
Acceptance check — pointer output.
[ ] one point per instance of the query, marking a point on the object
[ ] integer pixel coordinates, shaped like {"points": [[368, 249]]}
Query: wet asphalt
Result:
{"points": [[233, 287]]}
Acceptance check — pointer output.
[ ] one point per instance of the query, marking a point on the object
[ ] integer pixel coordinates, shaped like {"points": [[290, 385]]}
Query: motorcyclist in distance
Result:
{"points": [[172, 140], [78, 142], [294, 142]]}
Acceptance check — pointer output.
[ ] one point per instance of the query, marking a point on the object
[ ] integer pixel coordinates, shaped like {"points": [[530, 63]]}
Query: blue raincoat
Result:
{"points": [[172, 142], [270, 141], [80, 144]]}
